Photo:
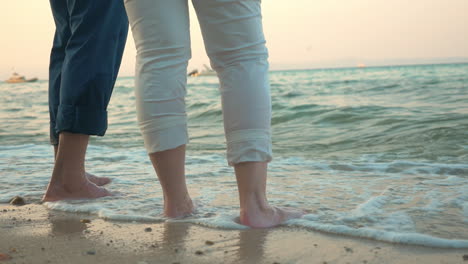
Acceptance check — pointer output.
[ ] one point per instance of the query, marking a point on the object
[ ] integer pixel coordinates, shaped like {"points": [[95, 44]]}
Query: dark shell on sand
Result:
{"points": [[17, 200]]}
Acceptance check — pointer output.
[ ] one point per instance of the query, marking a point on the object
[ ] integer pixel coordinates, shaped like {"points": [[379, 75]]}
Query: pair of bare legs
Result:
{"points": [[255, 210], [69, 178], [70, 181]]}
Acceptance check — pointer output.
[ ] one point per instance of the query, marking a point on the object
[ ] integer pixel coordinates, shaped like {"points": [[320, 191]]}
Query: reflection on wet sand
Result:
{"points": [[33, 234], [68, 224], [174, 236], [252, 245]]}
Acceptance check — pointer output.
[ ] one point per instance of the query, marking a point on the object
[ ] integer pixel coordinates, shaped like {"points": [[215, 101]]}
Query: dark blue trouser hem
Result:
{"points": [[79, 120], [82, 120]]}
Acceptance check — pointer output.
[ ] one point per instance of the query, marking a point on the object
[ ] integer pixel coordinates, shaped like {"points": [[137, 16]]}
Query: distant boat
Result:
{"points": [[205, 72], [16, 78]]}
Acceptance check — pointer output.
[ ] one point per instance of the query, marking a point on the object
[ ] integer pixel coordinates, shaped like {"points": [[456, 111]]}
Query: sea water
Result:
{"points": [[379, 153]]}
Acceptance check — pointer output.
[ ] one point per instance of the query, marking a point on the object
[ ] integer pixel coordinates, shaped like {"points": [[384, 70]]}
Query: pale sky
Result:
{"points": [[300, 34]]}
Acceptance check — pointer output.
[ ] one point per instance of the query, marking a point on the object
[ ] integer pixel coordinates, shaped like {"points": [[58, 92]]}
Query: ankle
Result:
{"points": [[179, 197], [255, 203], [68, 186], [70, 182], [178, 206], [74, 186], [178, 210]]}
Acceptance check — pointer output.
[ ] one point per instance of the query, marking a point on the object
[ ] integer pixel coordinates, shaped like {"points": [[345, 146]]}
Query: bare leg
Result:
{"points": [[69, 179], [254, 208], [99, 181], [170, 168]]}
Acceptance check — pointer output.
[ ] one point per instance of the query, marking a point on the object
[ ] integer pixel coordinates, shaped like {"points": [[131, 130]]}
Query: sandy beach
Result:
{"points": [[34, 234]]}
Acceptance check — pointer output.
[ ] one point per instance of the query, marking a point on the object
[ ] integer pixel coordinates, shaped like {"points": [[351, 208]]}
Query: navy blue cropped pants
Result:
{"points": [[87, 50]]}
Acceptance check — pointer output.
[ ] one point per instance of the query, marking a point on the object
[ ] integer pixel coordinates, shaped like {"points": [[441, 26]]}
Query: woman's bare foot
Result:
{"points": [[173, 209], [255, 211], [87, 190], [269, 216], [99, 181]]}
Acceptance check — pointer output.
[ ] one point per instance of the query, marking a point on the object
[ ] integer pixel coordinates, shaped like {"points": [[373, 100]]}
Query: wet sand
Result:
{"points": [[34, 234]]}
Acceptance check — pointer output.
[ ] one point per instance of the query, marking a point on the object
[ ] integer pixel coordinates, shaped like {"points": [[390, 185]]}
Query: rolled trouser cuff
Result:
{"points": [[249, 145], [54, 138], [81, 120], [164, 133]]}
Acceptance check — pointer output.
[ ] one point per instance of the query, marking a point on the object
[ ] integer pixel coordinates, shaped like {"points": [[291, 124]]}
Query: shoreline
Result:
{"points": [[34, 234]]}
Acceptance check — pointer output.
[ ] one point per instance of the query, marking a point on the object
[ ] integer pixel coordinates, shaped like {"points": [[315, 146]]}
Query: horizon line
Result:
{"points": [[354, 67]]}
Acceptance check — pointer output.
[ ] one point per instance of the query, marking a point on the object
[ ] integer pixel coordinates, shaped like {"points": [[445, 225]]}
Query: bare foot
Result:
{"points": [[178, 209], [99, 181], [87, 190], [269, 217]]}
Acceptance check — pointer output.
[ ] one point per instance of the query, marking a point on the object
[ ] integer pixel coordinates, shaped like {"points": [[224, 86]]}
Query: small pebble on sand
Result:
{"points": [[17, 200], [209, 243], [91, 252], [148, 229], [199, 252], [85, 221], [465, 257], [4, 257]]}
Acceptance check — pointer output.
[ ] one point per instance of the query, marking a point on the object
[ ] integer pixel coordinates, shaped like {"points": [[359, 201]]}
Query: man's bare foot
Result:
{"points": [[178, 209], [87, 190], [268, 217], [99, 181]]}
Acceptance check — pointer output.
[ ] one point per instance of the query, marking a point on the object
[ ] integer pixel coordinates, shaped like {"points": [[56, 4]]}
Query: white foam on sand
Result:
{"points": [[381, 235], [222, 221]]}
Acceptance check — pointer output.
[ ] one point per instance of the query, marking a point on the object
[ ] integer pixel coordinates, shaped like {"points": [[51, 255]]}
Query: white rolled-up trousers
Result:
{"points": [[234, 41]]}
